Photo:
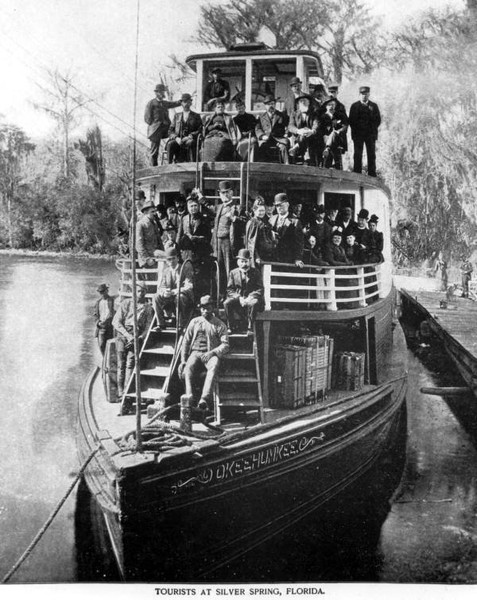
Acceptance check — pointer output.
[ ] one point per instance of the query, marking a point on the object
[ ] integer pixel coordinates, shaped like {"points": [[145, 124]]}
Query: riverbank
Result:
{"points": [[19, 252]]}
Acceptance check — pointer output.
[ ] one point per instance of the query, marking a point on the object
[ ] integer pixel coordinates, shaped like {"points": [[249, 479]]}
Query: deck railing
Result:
{"points": [[321, 288]]}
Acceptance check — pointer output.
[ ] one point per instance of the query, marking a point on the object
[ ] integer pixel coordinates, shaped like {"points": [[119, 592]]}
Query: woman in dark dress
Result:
{"points": [[220, 136], [259, 238]]}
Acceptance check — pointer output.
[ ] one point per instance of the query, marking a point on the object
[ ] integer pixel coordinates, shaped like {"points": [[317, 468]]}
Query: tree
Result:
{"points": [[62, 102], [92, 150], [15, 147]]}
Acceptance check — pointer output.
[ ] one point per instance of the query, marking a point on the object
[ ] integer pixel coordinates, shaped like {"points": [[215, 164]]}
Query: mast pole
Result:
{"points": [[133, 274]]}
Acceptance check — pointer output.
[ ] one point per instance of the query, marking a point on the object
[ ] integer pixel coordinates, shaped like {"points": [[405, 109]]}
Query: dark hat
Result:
{"points": [[102, 287], [295, 80], [302, 97], [280, 199], [216, 70], [160, 87], [170, 227], [186, 97], [347, 209], [364, 89], [269, 98], [205, 300], [147, 204], [338, 231], [320, 209], [333, 87], [170, 252], [374, 219], [363, 214], [224, 186], [244, 253], [239, 100]]}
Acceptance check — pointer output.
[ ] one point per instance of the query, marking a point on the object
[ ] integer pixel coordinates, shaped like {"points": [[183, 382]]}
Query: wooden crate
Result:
{"points": [[348, 371], [289, 377]]}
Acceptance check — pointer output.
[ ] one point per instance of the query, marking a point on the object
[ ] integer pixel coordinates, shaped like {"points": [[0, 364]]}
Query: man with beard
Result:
{"points": [[183, 133], [271, 133]]}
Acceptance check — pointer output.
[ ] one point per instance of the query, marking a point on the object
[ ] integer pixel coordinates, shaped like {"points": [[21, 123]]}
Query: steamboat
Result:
{"points": [[303, 410]]}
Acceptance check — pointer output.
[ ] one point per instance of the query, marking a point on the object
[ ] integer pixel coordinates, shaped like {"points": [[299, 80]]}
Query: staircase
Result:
{"points": [[238, 382], [157, 362]]}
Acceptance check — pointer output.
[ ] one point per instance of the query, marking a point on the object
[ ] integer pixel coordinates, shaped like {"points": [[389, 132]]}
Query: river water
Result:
{"points": [[47, 348]]}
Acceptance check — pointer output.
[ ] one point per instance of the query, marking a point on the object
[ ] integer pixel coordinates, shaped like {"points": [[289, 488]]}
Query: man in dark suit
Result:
{"points": [[244, 293], [149, 246], [271, 132], [333, 95], [288, 232], [364, 120], [216, 89], [294, 94], [346, 222], [320, 229], [183, 133], [157, 118]]}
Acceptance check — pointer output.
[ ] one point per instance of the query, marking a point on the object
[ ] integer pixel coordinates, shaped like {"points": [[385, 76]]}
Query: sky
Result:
{"points": [[95, 41]]}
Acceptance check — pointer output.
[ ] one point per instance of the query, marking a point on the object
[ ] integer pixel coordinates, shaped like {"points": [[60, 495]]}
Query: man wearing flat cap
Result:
{"points": [[295, 92], [364, 120], [172, 289], [183, 133], [206, 341], [216, 89], [149, 244], [123, 323], [103, 314], [228, 231], [288, 232], [244, 293], [271, 133], [157, 118]]}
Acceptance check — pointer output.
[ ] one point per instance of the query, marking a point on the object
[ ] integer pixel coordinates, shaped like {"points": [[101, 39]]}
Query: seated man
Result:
{"points": [[271, 133], [333, 126], [246, 124], [220, 135], [304, 129], [244, 293], [169, 290], [183, 133], [205, 342], [123, 324]]}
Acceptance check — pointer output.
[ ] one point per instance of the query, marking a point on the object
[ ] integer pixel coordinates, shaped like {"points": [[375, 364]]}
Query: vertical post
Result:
{"points": [[332, 305], [379, 276], [248, 84], [362, 289], [267, 280], [266, 364], [133, 261], [200, 85], [300, 68], [361, 196]]}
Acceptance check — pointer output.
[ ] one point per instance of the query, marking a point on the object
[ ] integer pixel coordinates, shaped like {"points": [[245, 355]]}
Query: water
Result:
{"points": [[47, 348]]}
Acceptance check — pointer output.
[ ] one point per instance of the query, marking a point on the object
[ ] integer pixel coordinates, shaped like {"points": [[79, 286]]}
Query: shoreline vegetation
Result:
{"points": [[80, 254]]}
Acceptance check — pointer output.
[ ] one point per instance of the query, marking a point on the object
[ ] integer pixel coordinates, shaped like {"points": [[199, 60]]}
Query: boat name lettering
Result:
{"points": [[251, 462]]}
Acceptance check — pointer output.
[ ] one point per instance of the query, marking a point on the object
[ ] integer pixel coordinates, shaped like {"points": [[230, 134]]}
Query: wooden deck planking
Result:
{"points": [[459, 323]]}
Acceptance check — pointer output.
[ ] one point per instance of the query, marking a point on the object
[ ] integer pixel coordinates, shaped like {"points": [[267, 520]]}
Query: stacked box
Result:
{"points": [[288, 379], [318, 357], [348, 371]]}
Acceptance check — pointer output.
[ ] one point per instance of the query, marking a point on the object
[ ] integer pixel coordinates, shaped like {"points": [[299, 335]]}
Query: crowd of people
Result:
{"points": [[310, 130]]}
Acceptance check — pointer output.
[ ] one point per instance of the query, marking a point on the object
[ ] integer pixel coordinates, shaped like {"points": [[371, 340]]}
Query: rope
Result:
{"points": [[48, 522]]}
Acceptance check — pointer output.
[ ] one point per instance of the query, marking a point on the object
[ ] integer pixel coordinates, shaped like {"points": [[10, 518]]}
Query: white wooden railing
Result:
{"points": [[321, 288], [150, 275]]}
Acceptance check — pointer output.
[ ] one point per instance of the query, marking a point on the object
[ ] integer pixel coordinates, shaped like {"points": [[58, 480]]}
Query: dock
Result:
{"points": [[454, 322]]}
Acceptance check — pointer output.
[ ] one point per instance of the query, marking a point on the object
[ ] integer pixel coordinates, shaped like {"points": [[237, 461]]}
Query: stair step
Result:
{"points": [[237, 378], [149, 394], [217, 197], [238, 400], [156, 372], [207, 178], [162, 350], [239, 356]]}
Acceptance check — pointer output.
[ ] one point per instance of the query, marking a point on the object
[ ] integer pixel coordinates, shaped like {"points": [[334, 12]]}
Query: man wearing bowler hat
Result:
{"points": [[149, 244], [205, 342], [216, 89], [244, 293], [361, 232], [103, 314], [171, 290], [364, 120], [226, 232], [288, 232], [183, 133], [293, 95], [157, 118], [271, 132]]}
